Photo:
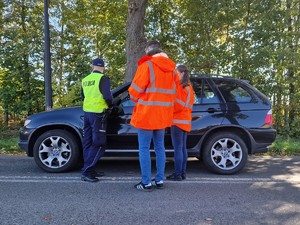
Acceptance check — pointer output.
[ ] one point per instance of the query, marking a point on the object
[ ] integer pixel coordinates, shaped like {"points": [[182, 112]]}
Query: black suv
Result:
{"points": [[230, 120]]}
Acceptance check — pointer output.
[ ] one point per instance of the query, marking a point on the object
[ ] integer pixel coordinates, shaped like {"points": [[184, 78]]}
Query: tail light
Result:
{"points": [[269, 118]]}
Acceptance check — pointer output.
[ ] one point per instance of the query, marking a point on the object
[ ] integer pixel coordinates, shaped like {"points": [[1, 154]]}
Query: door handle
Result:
{"points": [[212, 110]]}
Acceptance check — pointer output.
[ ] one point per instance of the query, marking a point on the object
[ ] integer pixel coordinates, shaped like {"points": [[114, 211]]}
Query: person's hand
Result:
{"points": [[115, 110], [116, 101]]}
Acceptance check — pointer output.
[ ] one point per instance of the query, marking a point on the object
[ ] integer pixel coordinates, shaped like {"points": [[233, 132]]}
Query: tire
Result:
{"points": [[225, 153], [56, 151]]}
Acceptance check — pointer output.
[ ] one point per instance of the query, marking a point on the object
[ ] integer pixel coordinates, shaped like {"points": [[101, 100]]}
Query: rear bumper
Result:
{"points": [[262, 140]]}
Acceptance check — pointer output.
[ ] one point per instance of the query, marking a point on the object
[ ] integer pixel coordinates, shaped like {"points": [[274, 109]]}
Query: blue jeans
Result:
{"points": [[180, 152], [94, 141], [144, 138]]}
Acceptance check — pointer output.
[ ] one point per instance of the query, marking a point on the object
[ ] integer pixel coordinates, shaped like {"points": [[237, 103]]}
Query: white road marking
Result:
{"points": [[107, 179]]}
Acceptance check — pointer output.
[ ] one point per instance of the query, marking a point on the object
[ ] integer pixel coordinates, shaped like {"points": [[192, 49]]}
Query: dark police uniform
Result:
{"points": [[97, 98]]}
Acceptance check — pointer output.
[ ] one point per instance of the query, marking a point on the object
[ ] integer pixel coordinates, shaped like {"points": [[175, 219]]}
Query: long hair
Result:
{"points": [[185, 80]]}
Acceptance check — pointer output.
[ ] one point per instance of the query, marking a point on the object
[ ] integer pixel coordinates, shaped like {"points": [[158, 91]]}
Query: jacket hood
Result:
{"points": [[164, 63], [161, 60], [144, 59]]}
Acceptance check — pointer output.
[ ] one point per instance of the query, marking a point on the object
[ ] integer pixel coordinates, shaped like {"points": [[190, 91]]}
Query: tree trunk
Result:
{"points": [[1, 16], [25, 61], [61, 59], [135, 37], [291, 74], [6, 119]]}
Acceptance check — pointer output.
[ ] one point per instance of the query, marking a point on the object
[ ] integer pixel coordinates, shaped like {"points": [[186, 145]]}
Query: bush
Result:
{"points": [[9, 140], [285, 146]]}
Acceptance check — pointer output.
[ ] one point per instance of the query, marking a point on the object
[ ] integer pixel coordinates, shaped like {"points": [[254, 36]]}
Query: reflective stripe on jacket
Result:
{"points": [[93, 98], [183, 107], [153, 89]]}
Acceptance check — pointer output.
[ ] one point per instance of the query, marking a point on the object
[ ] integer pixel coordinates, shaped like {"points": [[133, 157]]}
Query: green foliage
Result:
{"points": [[160, 20], [73, 97], [9, 140], [10, 146], [84, 31], [253, 40], [20, 50], [285, 146]]}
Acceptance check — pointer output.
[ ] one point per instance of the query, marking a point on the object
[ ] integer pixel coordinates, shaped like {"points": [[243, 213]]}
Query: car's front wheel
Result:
{"points": [[225, 153], [56, 151]]}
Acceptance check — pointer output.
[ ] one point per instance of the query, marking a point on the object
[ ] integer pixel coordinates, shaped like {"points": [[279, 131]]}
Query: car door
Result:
{"points": [[121, 135], [208, 111]]}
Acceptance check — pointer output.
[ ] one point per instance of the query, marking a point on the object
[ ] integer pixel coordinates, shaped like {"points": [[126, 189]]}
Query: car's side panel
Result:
{"points": [[203, 118], [120, 134], [236, 115], [222, 105], [69, 119]]}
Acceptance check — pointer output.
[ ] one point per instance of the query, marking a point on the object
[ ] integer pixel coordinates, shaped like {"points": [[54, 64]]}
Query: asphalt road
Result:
{"points": [[267, 191]]}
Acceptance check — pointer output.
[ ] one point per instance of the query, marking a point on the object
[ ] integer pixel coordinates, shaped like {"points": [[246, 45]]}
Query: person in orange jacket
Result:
{"points": [[181, 123], [153, 89]]}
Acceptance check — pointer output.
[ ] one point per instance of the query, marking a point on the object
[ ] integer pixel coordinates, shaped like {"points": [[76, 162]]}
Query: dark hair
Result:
{"points": [[153, 44], [185, 80]]}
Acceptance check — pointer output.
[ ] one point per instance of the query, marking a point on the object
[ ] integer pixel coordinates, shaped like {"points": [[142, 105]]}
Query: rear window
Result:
{"points": [[233, 91]]}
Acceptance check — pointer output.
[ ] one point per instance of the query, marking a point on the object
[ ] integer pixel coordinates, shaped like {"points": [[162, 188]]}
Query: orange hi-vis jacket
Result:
{"points": [[153, 89], [184, 101]]}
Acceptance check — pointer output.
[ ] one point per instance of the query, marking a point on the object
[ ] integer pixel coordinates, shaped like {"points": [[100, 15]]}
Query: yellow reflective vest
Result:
{"points": [[93, 98]]}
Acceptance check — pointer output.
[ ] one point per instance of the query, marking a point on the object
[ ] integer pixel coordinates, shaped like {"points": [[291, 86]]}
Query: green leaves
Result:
{"points": [[253, 40]]}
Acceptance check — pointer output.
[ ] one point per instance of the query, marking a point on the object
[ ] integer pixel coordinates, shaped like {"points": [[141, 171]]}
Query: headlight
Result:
{"points": [[27, 122]]}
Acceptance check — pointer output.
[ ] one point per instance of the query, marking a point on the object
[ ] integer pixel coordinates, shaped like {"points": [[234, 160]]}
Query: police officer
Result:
{"points": [[97, 99]]}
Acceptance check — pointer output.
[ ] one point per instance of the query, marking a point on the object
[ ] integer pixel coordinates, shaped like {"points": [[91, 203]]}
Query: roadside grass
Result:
{"points": [[283, 146], [9, 142], [9, 146]]}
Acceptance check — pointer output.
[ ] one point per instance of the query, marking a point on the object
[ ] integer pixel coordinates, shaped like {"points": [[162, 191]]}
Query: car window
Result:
{"points": [[233, 92], [203, 93], [125, 99]]}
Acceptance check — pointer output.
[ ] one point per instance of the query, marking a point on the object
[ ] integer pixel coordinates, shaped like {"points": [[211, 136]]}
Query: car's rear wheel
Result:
{"points": [[56, 151], [225, 153]]}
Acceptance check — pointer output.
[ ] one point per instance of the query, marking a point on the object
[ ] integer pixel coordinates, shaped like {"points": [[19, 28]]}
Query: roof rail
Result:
{"points": [[210, 76]]}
